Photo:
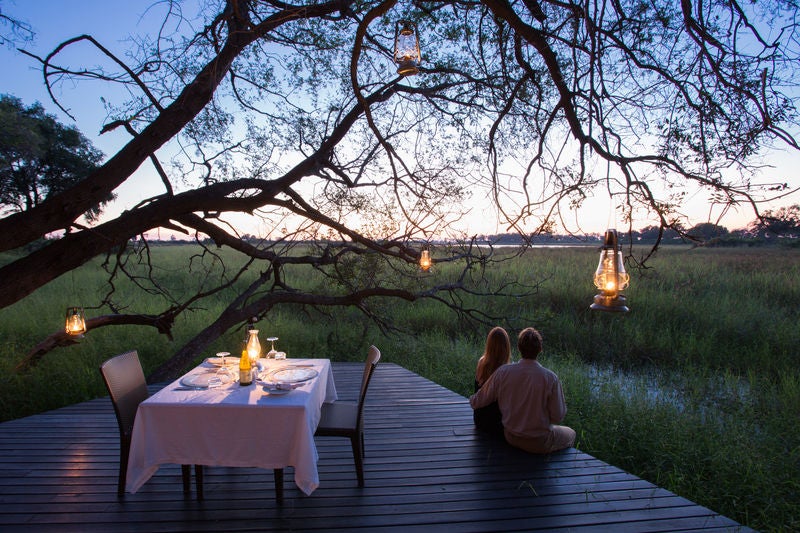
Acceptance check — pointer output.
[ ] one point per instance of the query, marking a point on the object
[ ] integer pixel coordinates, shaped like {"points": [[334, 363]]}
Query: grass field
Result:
{"points": [[697, 389]]}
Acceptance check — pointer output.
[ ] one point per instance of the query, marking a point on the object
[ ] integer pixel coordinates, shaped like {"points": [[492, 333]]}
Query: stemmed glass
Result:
{"points": [[224, 370], [272, 352], [223, 355]]}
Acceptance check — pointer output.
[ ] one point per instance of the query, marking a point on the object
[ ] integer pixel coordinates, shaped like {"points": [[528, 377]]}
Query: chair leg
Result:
{"points": [[124, 453], [198, 478], [278, 474], [121, 480], [358, 457], [186, 475]]}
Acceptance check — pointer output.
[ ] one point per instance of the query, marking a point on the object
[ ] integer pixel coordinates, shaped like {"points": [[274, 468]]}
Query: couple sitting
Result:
{"points": [[522, 401]]}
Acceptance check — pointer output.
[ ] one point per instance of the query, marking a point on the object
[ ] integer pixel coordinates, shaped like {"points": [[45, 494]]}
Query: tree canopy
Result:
{"points": [[782, 222], [40, 157], [294, 113]]}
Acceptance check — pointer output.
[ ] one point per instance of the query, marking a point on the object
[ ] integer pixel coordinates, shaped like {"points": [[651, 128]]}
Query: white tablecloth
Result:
{"points": [[233, 426]]}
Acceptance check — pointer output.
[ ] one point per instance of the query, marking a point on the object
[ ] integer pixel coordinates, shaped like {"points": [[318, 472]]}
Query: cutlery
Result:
{"points": [[210, 387]]}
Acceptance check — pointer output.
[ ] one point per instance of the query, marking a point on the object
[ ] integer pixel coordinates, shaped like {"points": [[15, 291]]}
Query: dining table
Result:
{"points": [[207, 418]]}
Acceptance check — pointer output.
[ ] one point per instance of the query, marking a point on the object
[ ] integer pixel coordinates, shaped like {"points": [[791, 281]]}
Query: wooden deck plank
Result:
{"points": [[426, 467]]}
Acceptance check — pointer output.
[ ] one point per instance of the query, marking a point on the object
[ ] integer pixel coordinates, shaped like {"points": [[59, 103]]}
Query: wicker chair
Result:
{"points": [[345, 419], [124, 379]]}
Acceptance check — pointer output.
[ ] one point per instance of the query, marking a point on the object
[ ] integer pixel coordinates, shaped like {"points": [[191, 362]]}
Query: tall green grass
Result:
{"points": [[697, 389]]}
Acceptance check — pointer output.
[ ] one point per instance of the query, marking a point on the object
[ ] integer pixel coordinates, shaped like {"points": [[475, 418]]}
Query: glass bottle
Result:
{"points": [[245, 368]]}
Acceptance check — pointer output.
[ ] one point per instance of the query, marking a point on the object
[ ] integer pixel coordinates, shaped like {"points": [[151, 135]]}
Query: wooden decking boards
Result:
{"points": [[426, 469]]}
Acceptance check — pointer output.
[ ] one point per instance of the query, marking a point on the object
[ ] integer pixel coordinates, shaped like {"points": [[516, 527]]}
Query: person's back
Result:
{"points": [[496, 354], [530, 398]]}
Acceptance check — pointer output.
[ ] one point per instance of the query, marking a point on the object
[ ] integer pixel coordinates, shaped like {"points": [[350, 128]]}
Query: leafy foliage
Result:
{"points": [[40, 157], [783, 222]]}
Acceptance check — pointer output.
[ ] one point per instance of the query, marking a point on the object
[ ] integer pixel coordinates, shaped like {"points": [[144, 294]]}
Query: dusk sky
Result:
{"points": [[54, 21]]}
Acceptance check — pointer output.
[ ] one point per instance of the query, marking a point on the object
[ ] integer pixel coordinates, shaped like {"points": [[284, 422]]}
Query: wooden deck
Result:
{"points": [[426, 470]]}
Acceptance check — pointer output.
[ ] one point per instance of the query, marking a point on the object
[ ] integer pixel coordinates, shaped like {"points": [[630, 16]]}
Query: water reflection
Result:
{"points": [[707, 395]]}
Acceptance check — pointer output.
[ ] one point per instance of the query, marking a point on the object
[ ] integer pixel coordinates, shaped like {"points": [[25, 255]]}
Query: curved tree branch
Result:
{"points": [[61, 210]]}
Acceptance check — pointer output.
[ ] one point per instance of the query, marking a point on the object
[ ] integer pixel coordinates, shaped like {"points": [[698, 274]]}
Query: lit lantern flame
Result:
{"points": [[610, 276], [425, 261], [406, 48], [253, 346], [75, 323]]}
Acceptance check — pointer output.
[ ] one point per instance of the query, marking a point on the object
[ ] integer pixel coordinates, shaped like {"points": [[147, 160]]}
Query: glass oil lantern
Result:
{"points": [[406, 48], [425, 261], [253, 346], [75, 321], [610, 277]]}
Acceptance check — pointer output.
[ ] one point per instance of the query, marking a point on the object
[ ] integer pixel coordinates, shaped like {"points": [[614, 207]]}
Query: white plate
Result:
{"points": [[217, 361], [293, 374], [276, 392], [206, 380]]}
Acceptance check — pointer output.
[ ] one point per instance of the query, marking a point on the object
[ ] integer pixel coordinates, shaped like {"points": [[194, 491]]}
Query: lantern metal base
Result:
{"points": [[407, 68], [610, 303]]}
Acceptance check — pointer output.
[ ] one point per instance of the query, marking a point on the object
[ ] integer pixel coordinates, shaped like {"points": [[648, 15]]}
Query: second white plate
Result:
{"points": [[293, 374]]}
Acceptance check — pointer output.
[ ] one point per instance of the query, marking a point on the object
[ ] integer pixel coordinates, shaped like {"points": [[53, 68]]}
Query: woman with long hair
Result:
{"points": [[496, 354]]}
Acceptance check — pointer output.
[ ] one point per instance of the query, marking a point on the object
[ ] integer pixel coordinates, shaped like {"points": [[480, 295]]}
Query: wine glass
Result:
{"points": [[271, 353], [224, 372], [223, 355]]}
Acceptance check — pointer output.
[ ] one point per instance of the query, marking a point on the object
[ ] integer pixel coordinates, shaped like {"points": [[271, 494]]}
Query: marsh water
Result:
{"points": [[710, 396]]}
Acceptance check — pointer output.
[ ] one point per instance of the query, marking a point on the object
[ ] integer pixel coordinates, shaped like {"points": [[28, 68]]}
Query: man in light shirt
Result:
{"points": [[530, 399]]}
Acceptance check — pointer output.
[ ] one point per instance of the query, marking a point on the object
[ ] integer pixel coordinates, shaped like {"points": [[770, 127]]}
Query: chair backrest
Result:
{"points": [[373, 356], [124, 379]]}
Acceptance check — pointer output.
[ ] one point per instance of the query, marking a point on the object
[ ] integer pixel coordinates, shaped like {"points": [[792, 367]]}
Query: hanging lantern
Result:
{"points": [[406, 48], [610, 277], [75, 322], [425, 261]]}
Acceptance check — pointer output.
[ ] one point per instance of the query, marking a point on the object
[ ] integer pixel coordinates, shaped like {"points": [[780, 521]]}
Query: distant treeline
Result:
{"points": [[781, 227], [671, 237], [732, 238], [784, 230]]}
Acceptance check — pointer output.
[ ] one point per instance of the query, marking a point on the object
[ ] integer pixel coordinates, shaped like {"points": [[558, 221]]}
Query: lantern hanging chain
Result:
{"points": [[74, 294], [612, 212]]}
